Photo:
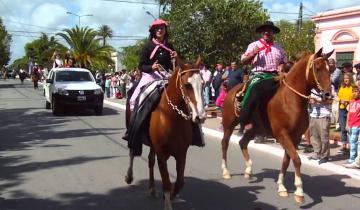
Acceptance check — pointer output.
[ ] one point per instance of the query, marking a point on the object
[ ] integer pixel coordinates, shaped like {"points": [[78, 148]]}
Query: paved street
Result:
{"points": [[78, 161]]}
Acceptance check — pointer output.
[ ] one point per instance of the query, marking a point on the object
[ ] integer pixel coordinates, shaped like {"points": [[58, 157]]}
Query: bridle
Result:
{"points": [[310, 65], [184, 96]]}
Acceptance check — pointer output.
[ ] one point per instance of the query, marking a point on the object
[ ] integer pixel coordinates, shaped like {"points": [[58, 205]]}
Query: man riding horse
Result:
{"points": [[267, 59]]}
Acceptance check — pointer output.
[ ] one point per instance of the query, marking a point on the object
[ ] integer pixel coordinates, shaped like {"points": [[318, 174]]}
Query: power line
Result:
{"points": [[132, 2], [17, 22], [290, 13]]}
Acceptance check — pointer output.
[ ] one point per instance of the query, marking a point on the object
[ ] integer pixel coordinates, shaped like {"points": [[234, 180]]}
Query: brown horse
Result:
{"points": [[171, 127], [35, 79], [284, 116]]}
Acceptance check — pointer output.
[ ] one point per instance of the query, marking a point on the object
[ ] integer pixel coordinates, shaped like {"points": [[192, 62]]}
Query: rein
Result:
{"points": [[185, 98], [310, 64]]}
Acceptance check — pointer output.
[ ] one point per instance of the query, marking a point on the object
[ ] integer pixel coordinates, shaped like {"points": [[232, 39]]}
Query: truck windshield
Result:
{"points": [[72, 76]]}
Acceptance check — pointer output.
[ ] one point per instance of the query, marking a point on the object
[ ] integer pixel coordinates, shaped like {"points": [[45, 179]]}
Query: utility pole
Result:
{"points": [[299, 20]]}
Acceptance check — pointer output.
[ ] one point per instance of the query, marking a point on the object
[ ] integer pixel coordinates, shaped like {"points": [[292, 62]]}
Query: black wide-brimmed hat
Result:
{"points": [[267, 24]]}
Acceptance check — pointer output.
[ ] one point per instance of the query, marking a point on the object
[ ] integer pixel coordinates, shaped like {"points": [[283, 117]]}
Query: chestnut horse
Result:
{"points": [[284, 116], [35, 79], [170, 128]]}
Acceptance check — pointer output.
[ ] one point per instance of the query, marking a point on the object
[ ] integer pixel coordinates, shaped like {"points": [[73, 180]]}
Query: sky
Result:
{"points": [[25, 19]]}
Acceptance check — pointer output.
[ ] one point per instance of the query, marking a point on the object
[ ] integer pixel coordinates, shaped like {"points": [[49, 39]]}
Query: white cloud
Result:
{"points": [[48, 15], [125, 19]]}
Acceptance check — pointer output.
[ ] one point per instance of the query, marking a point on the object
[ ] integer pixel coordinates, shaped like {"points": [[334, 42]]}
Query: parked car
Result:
{"points": [[72, 87]]}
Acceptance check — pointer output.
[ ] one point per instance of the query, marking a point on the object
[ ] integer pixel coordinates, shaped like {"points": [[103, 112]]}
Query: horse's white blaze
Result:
{"points": [[198, 110]]}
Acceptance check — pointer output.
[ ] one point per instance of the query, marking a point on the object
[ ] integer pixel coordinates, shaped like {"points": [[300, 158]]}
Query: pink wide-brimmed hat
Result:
{"points": [[158, 22]]}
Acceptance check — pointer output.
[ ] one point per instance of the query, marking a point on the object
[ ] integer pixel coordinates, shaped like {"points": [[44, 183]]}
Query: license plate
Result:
{"points": [[81, 98]]}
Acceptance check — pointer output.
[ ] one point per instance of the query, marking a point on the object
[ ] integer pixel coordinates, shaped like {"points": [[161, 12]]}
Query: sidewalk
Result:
{"points": [[211, 128]]}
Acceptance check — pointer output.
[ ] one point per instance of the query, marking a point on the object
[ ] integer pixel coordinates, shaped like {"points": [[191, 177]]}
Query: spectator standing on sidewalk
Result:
{"points": [[320, 113], [357, 75], [353, 124], [206, 76], [107, 86], [235, 75], [217, 80], [344, 97]]}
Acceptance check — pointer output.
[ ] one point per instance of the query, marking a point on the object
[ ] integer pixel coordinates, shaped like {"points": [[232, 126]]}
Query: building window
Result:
{"points": [[342, 57]]}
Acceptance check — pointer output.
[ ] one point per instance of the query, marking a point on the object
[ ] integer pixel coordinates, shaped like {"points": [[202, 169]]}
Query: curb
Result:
{"points": [[336, 169]]}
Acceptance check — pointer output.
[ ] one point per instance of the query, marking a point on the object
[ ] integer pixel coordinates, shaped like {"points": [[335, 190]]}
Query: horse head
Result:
{"points": [[191, 89], [319, 65]]}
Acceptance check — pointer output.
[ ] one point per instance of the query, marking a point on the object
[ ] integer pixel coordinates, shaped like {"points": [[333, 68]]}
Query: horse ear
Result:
{"points": [[181, 63], [199, 61], [319, 53], [327, 55]]}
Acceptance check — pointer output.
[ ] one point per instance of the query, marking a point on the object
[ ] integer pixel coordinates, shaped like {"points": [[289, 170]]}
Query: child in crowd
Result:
{"points": [[220, 99], [353, 125], [344, 97]]}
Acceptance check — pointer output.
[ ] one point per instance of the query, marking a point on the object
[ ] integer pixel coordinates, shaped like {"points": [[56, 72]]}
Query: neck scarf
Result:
{"points": [[266, 46], [158, 45]]}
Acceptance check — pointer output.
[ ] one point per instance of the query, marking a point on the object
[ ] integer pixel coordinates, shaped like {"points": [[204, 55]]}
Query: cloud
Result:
{"points": [[125, 19]]}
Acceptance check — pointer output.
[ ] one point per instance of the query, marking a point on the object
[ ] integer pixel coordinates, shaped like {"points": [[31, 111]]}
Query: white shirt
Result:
{"points": [[319, 110]]}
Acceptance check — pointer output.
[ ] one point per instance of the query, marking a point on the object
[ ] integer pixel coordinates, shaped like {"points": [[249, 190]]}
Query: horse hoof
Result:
{"points": [[128, 179], [247, 176], [153, 193], [227, 176], [299, 199], [283, 194]]}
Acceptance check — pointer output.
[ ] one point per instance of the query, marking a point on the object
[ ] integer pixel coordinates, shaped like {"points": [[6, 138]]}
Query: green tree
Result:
{"points": [[5, 40], [41, 50], [130, 55], [105, 32], [85, 47], [20, 63], [219, 29], [294, 41]]}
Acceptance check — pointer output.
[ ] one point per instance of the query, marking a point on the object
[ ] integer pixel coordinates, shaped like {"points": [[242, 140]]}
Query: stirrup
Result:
{"points": [[238, 102]]}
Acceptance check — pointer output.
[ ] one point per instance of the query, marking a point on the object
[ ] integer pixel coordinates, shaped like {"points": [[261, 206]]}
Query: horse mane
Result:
{"points": [[302, 55]]}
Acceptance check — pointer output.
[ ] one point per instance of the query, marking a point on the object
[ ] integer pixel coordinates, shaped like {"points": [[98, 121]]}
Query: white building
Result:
{"points": [[340, 30]]}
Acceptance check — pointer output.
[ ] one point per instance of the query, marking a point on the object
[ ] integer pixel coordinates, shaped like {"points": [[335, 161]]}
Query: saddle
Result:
{"points": [[242, 95]]}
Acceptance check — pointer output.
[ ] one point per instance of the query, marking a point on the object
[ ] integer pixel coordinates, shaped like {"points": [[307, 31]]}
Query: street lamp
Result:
{"points": [[149, 13], [79, 16]]}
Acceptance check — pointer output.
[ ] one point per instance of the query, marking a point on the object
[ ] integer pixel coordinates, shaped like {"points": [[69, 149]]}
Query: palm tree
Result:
{"points": [[105, 32], [86, 48]]}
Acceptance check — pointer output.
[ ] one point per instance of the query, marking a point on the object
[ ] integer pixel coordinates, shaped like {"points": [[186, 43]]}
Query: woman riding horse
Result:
{"points": [[156, 55], [171, 129]]}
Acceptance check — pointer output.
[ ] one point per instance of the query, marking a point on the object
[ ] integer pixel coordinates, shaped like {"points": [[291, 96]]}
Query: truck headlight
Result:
{"points": [[98, 91], [63, 92]]}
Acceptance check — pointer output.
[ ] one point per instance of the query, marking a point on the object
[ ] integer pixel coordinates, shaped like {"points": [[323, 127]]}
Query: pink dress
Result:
{"points": [[220, 100], [146, 78]]}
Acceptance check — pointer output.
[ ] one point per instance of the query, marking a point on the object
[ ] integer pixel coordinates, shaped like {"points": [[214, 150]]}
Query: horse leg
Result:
{"points": [[244, 141], [151, 159], [165, 181], [282, 191], [290, 149], [180, 168], [224, 146], [129, 176]]}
